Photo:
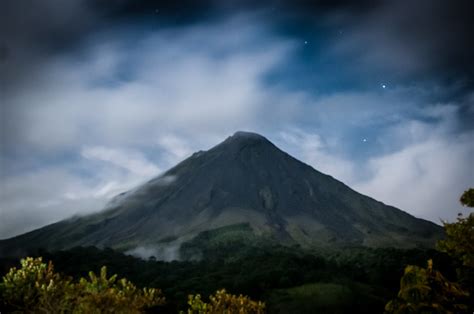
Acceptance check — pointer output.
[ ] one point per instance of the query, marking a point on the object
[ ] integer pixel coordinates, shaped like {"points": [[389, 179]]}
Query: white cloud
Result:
{"points": [[423, 172], [131, 161], [311, 149], [425, 179], [191, 81], [36, 198], [177, 147]]}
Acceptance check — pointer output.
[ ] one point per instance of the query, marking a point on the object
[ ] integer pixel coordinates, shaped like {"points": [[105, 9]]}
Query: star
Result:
{"points": [[305, 42], [364, 140], [384, 86]]}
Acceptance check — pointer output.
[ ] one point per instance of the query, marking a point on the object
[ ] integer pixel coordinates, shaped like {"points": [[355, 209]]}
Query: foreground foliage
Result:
{"points": [[35, 287], [428, 291], [467, 198], [223, 302], [459, 242], [425, 290]]}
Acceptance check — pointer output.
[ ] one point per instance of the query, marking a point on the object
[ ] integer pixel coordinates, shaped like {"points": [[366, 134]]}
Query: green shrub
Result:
{"points": [[425, 290], [224, 303], [35, 287]]}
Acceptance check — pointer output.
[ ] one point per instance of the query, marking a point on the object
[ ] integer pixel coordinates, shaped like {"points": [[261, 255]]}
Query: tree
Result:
{"points": [[467, 198], [35, 287], [223, 302], [459, 242], [99, 294], [425, 290]]}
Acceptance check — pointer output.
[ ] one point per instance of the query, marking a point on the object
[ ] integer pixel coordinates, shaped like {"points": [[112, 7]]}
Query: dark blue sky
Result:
{"points": [[98, 96]]}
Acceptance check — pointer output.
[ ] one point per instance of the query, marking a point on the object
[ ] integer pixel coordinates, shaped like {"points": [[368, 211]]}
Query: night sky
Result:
{"points": [[99, 96]]}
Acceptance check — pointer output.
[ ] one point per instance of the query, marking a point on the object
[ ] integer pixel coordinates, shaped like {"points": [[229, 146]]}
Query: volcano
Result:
{"points": [[245, 180]]}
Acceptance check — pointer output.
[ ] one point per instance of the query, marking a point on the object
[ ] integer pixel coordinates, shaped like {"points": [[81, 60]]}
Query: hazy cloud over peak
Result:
{"points": [[130, 161]]}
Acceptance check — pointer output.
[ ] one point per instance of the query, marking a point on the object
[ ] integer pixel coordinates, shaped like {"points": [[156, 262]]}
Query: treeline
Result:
{"points": [[263, 273]]}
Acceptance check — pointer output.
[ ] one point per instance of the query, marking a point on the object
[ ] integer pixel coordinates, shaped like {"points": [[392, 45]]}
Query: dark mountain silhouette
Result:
{"points": [[245, 180]]}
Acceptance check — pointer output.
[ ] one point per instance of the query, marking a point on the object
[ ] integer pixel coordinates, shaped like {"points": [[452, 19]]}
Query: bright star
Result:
{"points": [[384, 86], [305, 42], [364, 140]]}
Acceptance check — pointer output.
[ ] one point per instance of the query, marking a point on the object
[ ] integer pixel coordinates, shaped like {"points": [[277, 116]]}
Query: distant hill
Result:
{"points": [[244, 181]]}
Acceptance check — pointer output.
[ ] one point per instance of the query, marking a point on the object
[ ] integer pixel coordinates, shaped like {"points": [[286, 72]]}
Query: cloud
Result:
{"points": [[36, 198], [425, 179], [31, 199], [163, 252], [177, 147], [422, 166], [131, 161], [311, 149], [431, 167], [115, 95], [31, 32], [412, 40], [39, 197]]}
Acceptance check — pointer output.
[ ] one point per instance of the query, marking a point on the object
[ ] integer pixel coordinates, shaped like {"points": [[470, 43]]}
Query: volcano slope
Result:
{"points": [[243, 181]]}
